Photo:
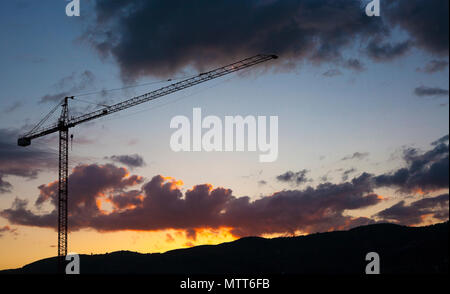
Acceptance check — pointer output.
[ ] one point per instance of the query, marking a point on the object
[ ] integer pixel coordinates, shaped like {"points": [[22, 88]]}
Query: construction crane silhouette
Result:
{"points": [[65, 123]]}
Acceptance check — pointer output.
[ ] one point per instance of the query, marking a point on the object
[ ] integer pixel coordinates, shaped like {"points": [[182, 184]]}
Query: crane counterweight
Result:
{"points": [[23, 142]]}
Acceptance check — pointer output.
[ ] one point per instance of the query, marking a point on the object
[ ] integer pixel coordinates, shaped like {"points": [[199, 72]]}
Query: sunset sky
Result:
{"points": [[362, 104]]}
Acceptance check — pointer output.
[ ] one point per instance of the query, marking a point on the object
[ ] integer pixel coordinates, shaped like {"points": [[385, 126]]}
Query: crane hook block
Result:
{"points": [[24, 142]]}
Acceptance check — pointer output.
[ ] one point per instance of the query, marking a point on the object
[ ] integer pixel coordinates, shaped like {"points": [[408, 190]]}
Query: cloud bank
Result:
{"points": [[109, 198], [20, 162], [161, 38]]}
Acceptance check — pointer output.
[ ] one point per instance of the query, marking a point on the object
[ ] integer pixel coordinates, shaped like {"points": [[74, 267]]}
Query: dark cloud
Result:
{"points": [[441, 140], [70, 85], [425, 172], [310, 210], [356, 155], [87, 185], [423, 91], [76, 81], [387, 51], [160, 205], [88, 181], [5, 186], [354, 64], [191, 234], [332, 73], [19, 161], [131, 161], [346, 173], [127, 199], [262, 182], [161, 38], [153, 38], [425, 21], [434, 66], [296, 178], [413, 214]]}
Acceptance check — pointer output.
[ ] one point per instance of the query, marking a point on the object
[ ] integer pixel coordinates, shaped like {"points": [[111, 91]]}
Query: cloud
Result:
{"points": [[354, 64], [414, 213], [434, 66], [126, 200], [191, 234], [53, 98], [69, 85], [153, 38], [131, 161], [89, 185], [7, 229], [309, 210], [5, 186], [423, 91], [262, 182], [21, 162], [387, 51], [441, 140], [108, 198], [160, 205], [296, 178], [351, 64], [13, 107], [346, 173], [425, 172], [332, 73], [356, 155], [89, 181], [425, 21]]}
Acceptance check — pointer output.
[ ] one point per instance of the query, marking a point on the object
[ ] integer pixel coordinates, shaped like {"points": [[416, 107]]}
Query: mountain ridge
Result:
{"points": [[401, 249]]}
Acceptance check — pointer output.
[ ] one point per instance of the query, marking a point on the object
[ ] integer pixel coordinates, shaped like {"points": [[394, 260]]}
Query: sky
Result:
{"points": [[362, 105]]}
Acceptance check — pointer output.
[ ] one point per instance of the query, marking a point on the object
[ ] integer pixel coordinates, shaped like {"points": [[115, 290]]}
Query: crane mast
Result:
{"points": [[65, 123], [63, 170]]}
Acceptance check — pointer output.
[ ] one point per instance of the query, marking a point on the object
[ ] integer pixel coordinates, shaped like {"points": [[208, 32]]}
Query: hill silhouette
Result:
{"points": [[401, 250]]}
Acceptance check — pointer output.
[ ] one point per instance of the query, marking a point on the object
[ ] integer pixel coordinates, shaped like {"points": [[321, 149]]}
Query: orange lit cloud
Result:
{"points": [[108, 198], [415, 213], [105, 198]]}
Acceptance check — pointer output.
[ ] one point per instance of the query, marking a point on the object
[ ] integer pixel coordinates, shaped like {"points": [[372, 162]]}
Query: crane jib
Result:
{"points": [[203, 77]]}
